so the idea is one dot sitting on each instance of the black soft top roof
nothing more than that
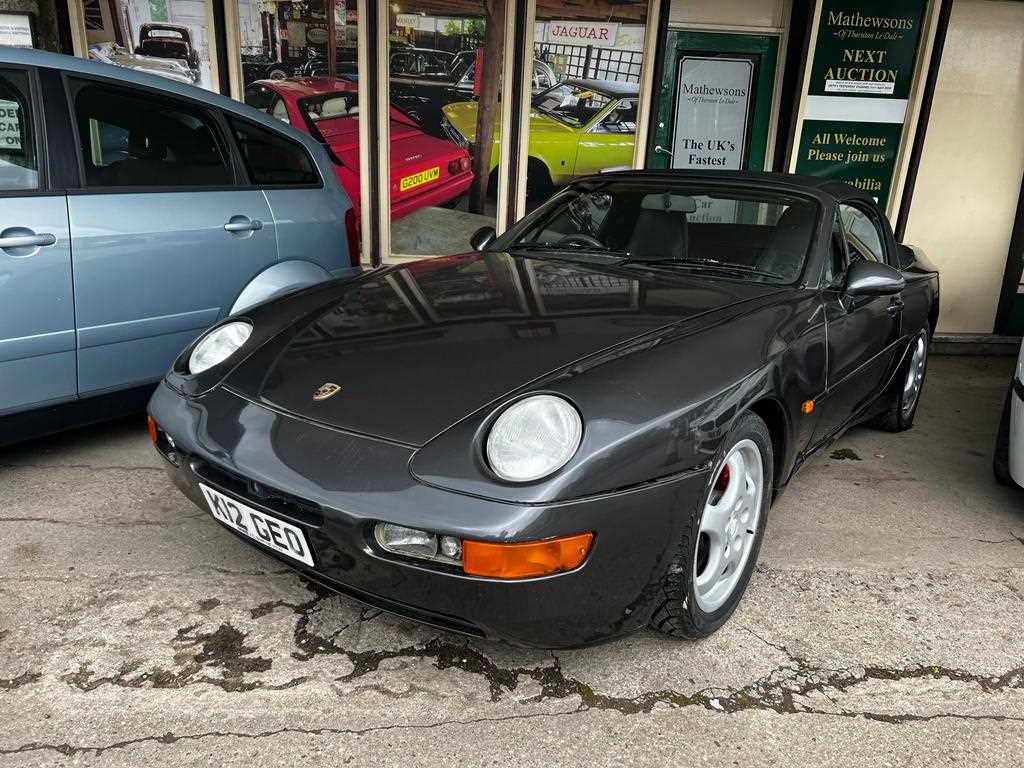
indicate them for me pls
(814, 185)
(613, 88)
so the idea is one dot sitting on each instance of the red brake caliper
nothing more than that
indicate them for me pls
(723, 480)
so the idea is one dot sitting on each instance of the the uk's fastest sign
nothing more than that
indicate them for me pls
(712, 112)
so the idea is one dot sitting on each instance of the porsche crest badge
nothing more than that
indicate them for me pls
(325, 391)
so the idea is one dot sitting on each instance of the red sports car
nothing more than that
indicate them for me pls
(424, 170)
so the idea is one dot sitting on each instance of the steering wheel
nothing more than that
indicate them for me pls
(581, 239)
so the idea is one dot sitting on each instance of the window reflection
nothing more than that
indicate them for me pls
(596, 56)
(171, 40)
(445, 61)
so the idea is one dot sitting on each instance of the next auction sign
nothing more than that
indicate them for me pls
(856, 103)
(712, 112)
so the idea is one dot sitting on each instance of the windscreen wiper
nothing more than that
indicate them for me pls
(571, 253)
(664, 263)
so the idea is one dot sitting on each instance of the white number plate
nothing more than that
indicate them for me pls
(259, 526)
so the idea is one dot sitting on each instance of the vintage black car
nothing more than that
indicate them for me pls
(169, 41)
(574, 432)
(423, 95)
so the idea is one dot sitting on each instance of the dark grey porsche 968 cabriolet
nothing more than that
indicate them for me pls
(573, 432)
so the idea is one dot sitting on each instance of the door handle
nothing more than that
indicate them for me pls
(661, 150)
(28, 241)
(895, 306)
(243, 224)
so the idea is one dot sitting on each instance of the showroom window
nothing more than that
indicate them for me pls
(129, 138)
(456, 72)
(442, 120)
(170, 38)
(273, 160)
(19, 166)
(595, 56)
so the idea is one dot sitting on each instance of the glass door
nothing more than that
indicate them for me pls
(714, 112)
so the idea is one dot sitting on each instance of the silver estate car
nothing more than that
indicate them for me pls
(134, 213)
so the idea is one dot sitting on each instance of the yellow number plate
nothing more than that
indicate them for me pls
(408, 182)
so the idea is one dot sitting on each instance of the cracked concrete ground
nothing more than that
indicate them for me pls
(883, 627)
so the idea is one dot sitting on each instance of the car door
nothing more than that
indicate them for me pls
(315, 222)
(608, 141)
(37, 313)
(862, 332)
(165, 231)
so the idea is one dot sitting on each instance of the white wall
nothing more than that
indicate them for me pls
(969, 180)
(740, 14)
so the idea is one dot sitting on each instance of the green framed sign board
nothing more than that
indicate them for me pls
(740, 77)
(860, 82)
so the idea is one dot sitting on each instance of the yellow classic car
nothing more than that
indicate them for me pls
(577, 127)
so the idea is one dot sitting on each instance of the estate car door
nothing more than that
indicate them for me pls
(862, 332)
(37, 312)
(163, 237)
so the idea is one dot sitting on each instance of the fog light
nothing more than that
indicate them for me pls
(451, 547)
(405, 541)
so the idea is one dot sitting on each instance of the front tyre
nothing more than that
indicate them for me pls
(719, 548)
(903, 407)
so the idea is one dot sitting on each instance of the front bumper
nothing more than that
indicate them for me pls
(336, 485)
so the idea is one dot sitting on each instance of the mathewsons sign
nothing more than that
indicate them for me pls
(856, 102)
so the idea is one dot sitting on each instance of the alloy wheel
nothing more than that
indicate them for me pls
(915, 377)
(729, 526)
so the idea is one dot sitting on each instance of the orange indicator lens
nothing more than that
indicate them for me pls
(521, 561)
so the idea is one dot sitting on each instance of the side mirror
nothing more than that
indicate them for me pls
(872, 278)
(482, 238)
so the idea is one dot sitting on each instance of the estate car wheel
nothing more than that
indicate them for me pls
(719, 549)
(903, 406)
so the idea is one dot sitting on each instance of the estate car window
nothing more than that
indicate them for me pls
(133, 139)
(19, 166)
(862, 235)
(271, 158)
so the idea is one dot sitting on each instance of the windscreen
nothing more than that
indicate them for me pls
(758, 234)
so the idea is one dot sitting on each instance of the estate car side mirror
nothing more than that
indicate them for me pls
(482, 238)
(872, 278)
